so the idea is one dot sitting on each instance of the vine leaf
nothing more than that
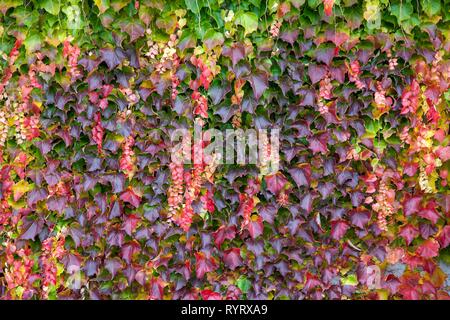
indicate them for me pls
(51, 6)
(134, 29)
(248, 20)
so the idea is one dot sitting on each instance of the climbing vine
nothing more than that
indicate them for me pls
(95, 204)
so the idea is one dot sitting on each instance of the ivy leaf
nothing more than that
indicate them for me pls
(409, 233)
(428, 249)
(134, 29)
(350, 280)
(113, 265)
(204, 264)
(224, 233)
(276, 182)
(51, 6)
(411, 205)
(402, 11)
(156, 289)
(360, 218)
(33, 42)
(131, 197)
(232, 258)
(102, 5)
(319, 143)
(194, 5)
(5, 5)
(118, 5)
(130, 223)
(259, 82)
(30, 229)
(444, 237)
(129, 250)
(316, 72)
(243, 284)
(338, 229)
(20, 188)
(255, 226)
(210, 295)
(212, 39)
(112, 57)
(431, 7)
(248, 20)
(301, 175)
(236, 52)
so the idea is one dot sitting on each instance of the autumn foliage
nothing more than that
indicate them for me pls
(94, 205)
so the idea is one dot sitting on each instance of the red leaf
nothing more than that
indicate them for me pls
(232, 258)
(444, 237)
(409, 233)
(210, 295)
(130, 223)
(409, 292)
(429, 212)
(428, 249)
(443, 153)
(255, 227)
(338, 229)
(411, 205)
(328, 7)
(129, 249)
(131, 197)
(337, 37)
(224, 233)
(410, 168)
(204, 263)
(312, 281)
(276, 182)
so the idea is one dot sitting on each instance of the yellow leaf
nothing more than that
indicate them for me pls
(20, 188)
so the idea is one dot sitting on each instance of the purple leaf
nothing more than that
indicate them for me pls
(232, 258)
(236, 52)
(409, 233)
(338, 229)
(301, 175)
(112, 57)
(359, 218)
(276, 182)
(411, 205)
(259, 82)
(316, 72)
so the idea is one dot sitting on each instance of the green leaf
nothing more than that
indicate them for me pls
(402, 11)
(350, 280)
(194, 5)
(51, 6)
(244, 284)
(248, 20)
(25, 17)
(5, 5)
(33, 42)
(431, 7)
(117, 5)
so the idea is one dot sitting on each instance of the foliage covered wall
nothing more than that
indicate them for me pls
(92, 207)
